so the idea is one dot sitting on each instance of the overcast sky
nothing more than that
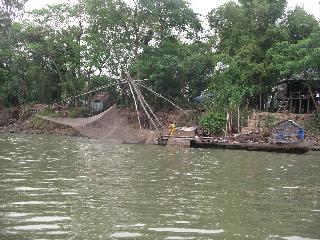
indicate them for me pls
(201, 6)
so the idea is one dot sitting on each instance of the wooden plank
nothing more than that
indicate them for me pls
(300, 103)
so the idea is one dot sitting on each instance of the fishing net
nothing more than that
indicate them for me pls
(109, 126)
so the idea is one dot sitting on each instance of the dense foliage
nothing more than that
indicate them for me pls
(63, 50)
(213, 122)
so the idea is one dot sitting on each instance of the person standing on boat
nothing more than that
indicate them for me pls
(172, 128)
(301, 134)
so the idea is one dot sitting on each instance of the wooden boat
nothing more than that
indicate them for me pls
(282, 147)
(163, 140)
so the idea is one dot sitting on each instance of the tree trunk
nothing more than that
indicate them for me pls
(313, 100)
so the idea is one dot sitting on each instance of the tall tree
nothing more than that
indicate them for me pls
(125, 30)
(298, 59)
(61, 46)
(175, 69)
(9, 11)
(245, 32)
(300, 24)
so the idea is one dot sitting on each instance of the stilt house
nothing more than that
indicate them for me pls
(294, 95)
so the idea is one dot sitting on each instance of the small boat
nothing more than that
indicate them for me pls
(299, 147)
(163, 140)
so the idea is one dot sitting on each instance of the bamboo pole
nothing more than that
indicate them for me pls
(143, 105)
(159, 95)
(149, 108)
(238, 119)
(152, 113)
(230, 124)
(136, 105)
(226, 132)
(95, 90)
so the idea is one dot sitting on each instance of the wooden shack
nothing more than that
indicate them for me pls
(101, 102)
(287, 131)
(294, 95)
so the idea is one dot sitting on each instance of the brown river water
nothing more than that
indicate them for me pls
(54, 187)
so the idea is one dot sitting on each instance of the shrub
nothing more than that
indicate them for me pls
(80, 112)
(213, 122)
(313, 123)
(268, 121)
(48, 111)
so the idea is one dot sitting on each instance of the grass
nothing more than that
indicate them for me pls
(49, 112)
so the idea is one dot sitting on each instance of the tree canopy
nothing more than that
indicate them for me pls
(63, 50)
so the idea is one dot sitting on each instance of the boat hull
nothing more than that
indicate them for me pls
(296, 147)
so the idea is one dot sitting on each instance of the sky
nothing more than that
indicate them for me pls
(200, 6)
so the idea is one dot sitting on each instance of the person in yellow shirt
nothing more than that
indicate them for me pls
(172, 128)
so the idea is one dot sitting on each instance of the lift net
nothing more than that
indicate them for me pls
(109, 126)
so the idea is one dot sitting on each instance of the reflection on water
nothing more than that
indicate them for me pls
(125, 235)
(70, 188)
(186, 230)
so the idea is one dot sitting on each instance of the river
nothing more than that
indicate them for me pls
(55, 187)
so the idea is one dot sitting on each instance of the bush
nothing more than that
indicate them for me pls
(313, 124)
(48, 111)
(268, 121)
(213, 122)
(79, 113)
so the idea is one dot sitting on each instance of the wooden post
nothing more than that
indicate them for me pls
(290, 110)
(308, 107)
(311, 95)
(226, 132)
(260, 96)
(260, 107)
(238, 119)
(230, 124)
(257, 118)
(300, 102)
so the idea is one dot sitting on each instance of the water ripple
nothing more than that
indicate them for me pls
(36, 227)
(186, 230)
(125, 235)
(48, 219)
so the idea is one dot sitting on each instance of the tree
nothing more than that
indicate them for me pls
(125, 31)
(9, 11)
(229, 26)
(300, 24)
(262, 13)
(170, 17)
(244, 33)
(298, 58)
(60, 46)
(177, 70)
